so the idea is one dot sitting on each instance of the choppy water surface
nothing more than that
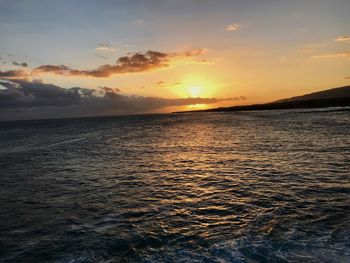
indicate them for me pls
(211, 187)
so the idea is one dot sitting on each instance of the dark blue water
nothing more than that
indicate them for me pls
(210, 187)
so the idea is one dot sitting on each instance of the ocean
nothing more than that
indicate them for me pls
(263, 186)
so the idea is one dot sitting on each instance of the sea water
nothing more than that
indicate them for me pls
(268, 186)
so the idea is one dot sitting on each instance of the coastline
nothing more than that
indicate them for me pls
(298, 104)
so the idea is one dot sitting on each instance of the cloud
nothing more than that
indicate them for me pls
(104, 46)
(345, 54)
(110, 90)
(312, 48)
(164, 84)
(192, 53)
(139, 22)
(342, 39)
(132, 63)
(347, 77)
(14, 74)
(232, 27)
(36, 99)
(27, 94)
(23, 64)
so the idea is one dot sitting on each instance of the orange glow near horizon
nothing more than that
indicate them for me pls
(196, 86)
(197, 106)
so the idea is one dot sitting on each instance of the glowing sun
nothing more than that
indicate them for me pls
(195, 91)
(195, 86)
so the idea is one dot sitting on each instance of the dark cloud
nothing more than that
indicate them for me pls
(13, 74)
(132, 63)
(347, 77)
(25, 94)
(164, 84)
(36, 99)
(23, 64)
(110, 90)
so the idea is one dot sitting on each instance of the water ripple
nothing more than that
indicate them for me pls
(215, 187)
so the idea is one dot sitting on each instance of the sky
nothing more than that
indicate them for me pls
(101, 57)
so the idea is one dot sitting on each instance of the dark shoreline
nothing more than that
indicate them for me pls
(299, 104)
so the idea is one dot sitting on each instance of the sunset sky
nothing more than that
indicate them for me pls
(159, 55)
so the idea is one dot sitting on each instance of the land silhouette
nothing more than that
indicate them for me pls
(336, 97)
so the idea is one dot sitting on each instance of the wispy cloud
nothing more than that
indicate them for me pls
(104, 46)
(132, 63)
(139, 22)
(342, 39)
(232, 27)
(345, 54)
(165, 84)
(313, 47)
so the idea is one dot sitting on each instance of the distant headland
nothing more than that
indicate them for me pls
(336, 97)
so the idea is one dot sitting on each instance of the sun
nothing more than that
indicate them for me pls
(195, 86)
(195, 91)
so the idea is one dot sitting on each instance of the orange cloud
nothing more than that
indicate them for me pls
(342, 39)
(232, 27)
(132, 63)
(345, 54)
